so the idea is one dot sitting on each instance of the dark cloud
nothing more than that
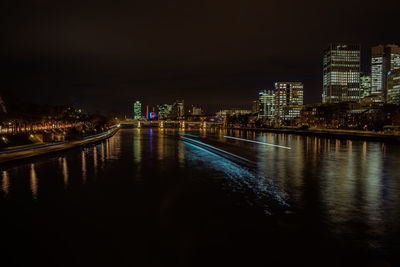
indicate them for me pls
(106, 54)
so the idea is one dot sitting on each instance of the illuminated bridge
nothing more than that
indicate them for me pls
(170, 124)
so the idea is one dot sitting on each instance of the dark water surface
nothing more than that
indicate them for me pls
(146, 198)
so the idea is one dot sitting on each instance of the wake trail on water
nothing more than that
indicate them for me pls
(258, 191)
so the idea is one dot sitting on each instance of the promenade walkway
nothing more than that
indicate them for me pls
(30, 152)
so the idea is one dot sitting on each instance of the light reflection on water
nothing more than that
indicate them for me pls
(102, 153)
(137, 147)
(65, 171)
(34, 182)
(5, 182)
(84, 175)
(352, 186)
(95, 159)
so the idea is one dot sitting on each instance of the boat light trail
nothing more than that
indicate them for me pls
(257, 142)
(188, 134)
(217, 149)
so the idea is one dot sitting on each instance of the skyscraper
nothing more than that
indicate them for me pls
(341, 73)
(137, 110)
(266, 102)
(288, 100)
(384, 58)
(393, 87)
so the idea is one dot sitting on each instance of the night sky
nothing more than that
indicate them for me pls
(103, 55)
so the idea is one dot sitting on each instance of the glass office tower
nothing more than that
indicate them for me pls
(341, 74)
(288, 100)
(384, 59)
(393, 87)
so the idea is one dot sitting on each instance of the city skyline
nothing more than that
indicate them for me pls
(104, 61)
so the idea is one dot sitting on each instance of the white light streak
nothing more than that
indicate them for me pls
(213, 147)
(257, 142)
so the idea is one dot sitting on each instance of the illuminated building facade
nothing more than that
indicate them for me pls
(393, 87)
(137, 111)
(384, 60)
(164, 110)
(365, 86)
(341, 74)
(288, 100)
(234, 111)
(266, 102)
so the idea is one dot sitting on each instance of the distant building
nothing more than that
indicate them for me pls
(178, 109)
(365, 86)
(341, 74)
(288, 100)
(234, 111)
(164, 110)
(196, 111)
(384, 58)
(266, 102)
(137, 111)
(393, 87)
(255, 107)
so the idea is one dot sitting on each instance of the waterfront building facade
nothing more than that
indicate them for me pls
(266, 102)
(231, 112)
(341, 73)
(288, 100)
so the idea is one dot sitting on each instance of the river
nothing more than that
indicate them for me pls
(144, 197)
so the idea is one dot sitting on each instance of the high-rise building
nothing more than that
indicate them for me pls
(365, 86)
(178, 109)
(288, 100)
(137, 110)
(384, 58)
(393, 87)
(266, 102)
(341, 78)
(164, 111)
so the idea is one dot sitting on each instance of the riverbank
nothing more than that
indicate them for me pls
(330, 133)
(31, 152)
